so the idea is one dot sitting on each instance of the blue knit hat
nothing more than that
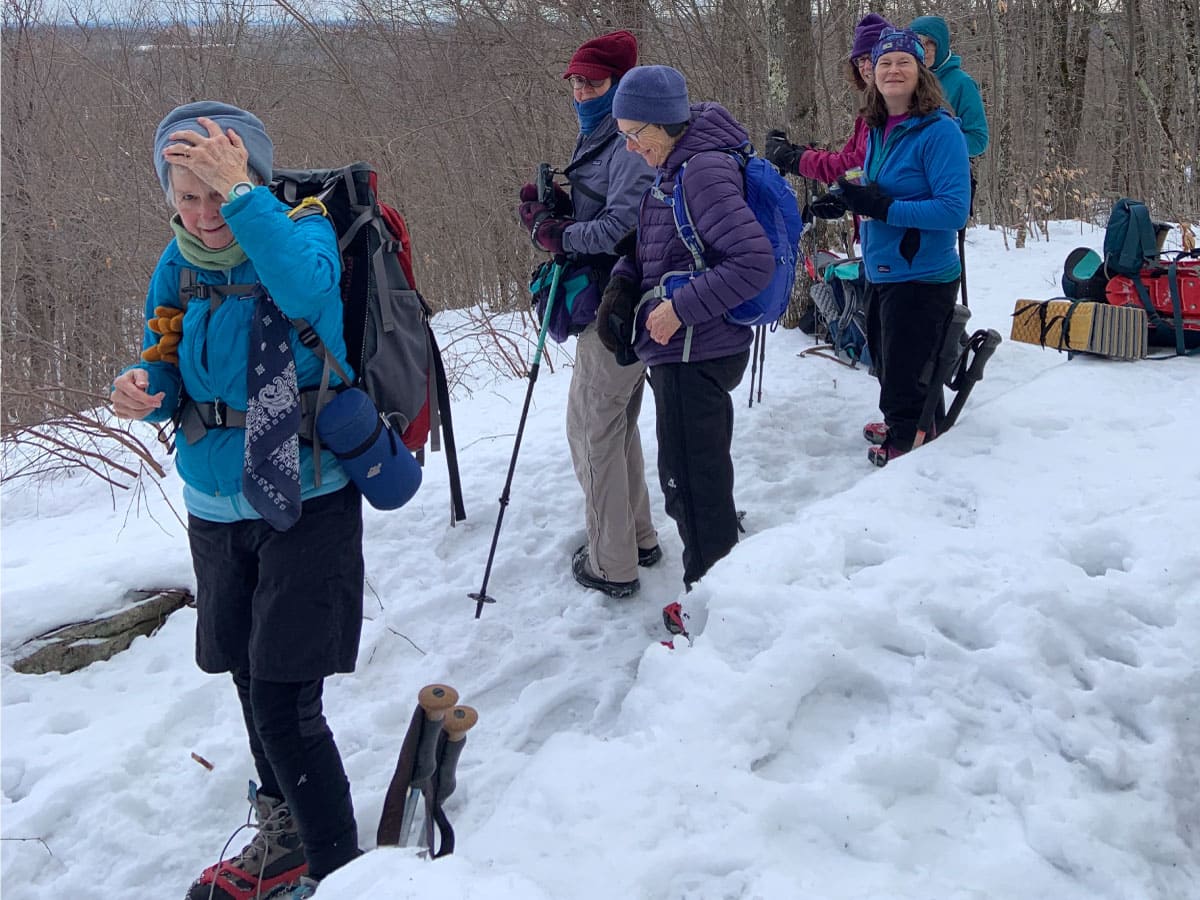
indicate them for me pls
(654, 94)
(898, 40)
(247, 125)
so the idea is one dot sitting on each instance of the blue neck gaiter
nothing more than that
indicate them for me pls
(592, 112)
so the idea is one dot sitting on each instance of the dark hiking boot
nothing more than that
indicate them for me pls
(271, 865)
(618, 589)
(875, 432)
(647, 558)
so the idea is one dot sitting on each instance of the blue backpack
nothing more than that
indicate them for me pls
(773, 202)
(840, 301)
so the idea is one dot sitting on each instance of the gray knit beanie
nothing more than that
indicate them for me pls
(247, 125)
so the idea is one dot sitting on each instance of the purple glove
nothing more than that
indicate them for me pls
(559, 206)
(548, 234)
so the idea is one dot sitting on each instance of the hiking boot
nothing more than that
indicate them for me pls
(269, 866)
(875, 432)
(647, 558)
(618, 589)
(883, 454)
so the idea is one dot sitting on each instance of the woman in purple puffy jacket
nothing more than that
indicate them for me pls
(677, 326)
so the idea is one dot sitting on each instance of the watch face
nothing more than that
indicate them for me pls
(240, 189)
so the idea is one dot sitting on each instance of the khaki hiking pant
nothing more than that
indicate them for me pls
(606, 448)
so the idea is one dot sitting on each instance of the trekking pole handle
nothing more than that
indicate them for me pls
(436, 699)
(458, 722)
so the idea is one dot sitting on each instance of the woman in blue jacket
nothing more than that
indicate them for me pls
(916, 195)
(221, 360)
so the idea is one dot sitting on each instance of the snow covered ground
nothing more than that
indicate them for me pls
(972, 674)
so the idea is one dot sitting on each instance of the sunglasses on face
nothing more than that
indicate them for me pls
(578, 81)
(632, 136)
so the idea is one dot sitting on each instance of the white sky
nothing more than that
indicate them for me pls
(969, 675)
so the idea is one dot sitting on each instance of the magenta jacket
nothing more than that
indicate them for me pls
(827, 165)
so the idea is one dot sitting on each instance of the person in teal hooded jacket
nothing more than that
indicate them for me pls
(276, 550)
(962, 93)
(915, 196)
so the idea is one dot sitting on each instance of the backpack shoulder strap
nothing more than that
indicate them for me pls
(685, 227)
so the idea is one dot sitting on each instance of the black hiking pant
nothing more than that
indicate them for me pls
(280, 611)
(297, 759)
(906, 326)
(695, 469)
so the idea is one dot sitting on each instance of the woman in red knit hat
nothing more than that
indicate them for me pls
(607, 182)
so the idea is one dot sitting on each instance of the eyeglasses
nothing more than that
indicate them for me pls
(633, 135)
(864, 60)
(578, 81)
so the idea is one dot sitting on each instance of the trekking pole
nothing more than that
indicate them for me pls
(962, 262)
(481, 596)
(942, 363)
(762, 360)
(754, 365)
(984, 344)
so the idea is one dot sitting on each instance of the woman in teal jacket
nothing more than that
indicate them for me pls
(917, 194)
(962, 93)
(263, 527)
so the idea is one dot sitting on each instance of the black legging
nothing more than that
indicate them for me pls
(297, 760)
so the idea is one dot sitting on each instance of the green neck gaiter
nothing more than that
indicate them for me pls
(197, 254)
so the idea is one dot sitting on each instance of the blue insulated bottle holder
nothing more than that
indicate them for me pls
(369, 450)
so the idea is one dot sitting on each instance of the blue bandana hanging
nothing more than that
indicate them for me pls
(271, 467)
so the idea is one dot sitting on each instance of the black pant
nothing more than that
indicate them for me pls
(906, 325)
(297, 760)
(695, 469)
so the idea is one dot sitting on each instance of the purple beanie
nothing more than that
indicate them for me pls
(866, 33)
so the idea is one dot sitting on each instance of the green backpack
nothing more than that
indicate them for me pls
(1129, 240)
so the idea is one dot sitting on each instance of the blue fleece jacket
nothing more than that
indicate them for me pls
(923, 167)
(299, 264)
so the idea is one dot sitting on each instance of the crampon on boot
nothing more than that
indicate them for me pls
(269, 866)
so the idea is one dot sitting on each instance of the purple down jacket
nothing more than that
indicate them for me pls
(737, 251)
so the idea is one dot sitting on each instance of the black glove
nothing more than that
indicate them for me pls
(866, 200)
(782, 154)
(614, 318)
(627, 245)
(827, 206)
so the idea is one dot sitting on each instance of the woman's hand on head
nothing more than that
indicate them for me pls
(129, 398)
(219, 158)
